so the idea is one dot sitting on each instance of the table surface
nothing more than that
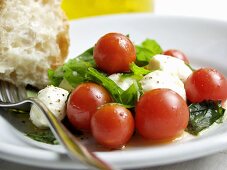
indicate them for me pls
(214, 9)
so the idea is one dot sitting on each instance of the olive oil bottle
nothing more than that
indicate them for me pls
(85, 8)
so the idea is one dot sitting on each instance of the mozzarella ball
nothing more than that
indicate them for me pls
(171, 65)
(123, 82)
(55, 99)
(161, 79)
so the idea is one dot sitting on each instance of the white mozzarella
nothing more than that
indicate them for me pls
(123, 83)
(171, 65)
(161, 79)
(55, 99)
(224, 105)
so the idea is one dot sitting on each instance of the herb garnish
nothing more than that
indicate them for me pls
(43, 136)
(203, 115)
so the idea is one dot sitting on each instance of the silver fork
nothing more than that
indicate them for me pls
(16, 97)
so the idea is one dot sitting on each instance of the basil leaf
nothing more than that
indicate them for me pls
(43, 136)
(128, 98)
(74, 71)
(146, 51)
(56, 76)
(143, 56)
(152, 45)
(203, 115)
(100, 78)
(87, 56)
(138, 70)
(131, 95)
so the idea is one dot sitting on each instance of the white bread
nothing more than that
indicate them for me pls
(33, 38)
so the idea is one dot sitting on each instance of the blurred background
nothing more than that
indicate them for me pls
(85, 8)
(215, 9)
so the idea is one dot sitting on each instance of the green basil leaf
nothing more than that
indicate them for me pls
(74, 71)
(138, 70)
(203, 115)
(100, 78)
(128, 98)
(43, 136)
(152, 45)
(131, 95)
(143, 56)
(87, 56)
(56, 76)
(146, 51)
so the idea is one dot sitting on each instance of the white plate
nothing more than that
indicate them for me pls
(204, 41)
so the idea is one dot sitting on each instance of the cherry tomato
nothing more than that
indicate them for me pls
(83, 102)
(112, 125)
(177, 54)
(206, 84)
(114, 52)
(161, 114)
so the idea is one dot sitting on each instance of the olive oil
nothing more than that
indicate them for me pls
(85, 8)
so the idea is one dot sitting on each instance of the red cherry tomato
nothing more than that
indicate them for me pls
(83, 102)
(177, 54)
(114, 52)
(206, 84)
(161, 114)
(112, 125)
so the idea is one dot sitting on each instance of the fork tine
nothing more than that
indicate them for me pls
(10, 93)
(13, 93)
(22, 93)
(4, 92)
(1, 96)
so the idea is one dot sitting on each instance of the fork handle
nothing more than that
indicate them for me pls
(74, 147)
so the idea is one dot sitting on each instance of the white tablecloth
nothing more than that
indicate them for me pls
(214, 9)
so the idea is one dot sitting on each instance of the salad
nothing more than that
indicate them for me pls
(116, 89)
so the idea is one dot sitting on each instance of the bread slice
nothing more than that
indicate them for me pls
(33, 38)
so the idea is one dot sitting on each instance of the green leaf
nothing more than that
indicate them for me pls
(127, 98)
(153, 46)
(203, 115)
(143, 56)
(138, 70)
(193, 69)
(98, 77)
(131, 95)
(146, 51)
(74, 78)
(74, 71)
(87, 56)
(43, 136)
(56, 76)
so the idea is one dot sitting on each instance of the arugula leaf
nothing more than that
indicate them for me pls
(153, 46)
(146, 51)
(56, 76)
(128, 98)
(143, 56)
(203, 115)
(138, 70)
(131, 95)
(87, 56)
(43, 136)
(110, 85)
(74, 71)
